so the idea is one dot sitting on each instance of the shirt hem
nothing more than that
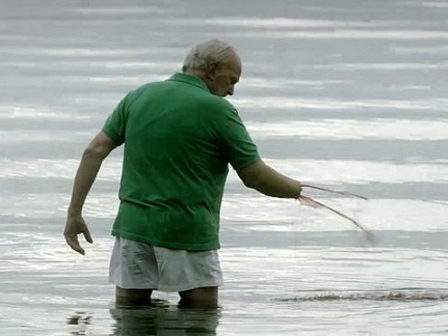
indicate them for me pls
(168, 245)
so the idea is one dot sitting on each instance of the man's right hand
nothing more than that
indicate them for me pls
(74, 226)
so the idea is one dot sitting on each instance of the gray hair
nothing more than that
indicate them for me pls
(205, 53)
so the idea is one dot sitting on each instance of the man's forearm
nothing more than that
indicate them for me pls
(268, 181)
(274, 184)
(87, 171)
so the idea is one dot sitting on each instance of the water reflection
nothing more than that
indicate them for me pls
(166, 321)
(80, 321)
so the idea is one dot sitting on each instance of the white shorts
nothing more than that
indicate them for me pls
(136, 265)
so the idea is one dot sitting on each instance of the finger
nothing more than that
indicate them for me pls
(72, 241)
(87, 235)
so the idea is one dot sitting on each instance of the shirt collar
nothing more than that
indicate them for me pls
(183, 77)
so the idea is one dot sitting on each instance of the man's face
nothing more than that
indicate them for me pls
(223, 80)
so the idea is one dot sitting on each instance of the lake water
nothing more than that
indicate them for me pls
(346, 94)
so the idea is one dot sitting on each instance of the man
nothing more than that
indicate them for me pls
(179, 135)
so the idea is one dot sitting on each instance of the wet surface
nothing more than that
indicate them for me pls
(351, 97)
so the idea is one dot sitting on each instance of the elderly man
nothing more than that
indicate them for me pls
(180, 135)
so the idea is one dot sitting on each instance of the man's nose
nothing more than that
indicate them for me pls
(230, 91)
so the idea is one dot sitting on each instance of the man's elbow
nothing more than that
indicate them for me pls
(252, 176)
(95, 153)
(99, 148)
(252, 182)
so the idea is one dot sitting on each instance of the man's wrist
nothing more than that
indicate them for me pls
(299, 192)
(74, 212)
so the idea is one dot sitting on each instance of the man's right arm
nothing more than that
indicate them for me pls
(90, 164)
(268, 181)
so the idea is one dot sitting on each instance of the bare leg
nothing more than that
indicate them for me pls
(132, 297)
(199, 298)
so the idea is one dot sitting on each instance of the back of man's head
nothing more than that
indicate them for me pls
(205, 53)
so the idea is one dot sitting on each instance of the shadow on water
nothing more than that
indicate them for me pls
(400, 294)
(158, 319)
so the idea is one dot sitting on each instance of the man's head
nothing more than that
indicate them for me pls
(217, 64)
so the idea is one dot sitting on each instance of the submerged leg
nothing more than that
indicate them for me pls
(132, 297)
(199, 298)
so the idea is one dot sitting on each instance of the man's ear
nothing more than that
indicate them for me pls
(212, 70)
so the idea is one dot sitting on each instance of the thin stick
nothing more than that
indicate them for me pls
(345, 193)
(313, 203)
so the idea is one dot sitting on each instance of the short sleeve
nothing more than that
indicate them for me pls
(236, 141)
(115, 125)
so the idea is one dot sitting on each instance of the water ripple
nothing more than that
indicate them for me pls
(399, 129)
(401, 295)
(348, 34)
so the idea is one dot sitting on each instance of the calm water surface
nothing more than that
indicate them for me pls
(349, 95)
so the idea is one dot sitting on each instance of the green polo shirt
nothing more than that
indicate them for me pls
(179, 140)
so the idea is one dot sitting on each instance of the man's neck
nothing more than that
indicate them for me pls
(198, 74)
